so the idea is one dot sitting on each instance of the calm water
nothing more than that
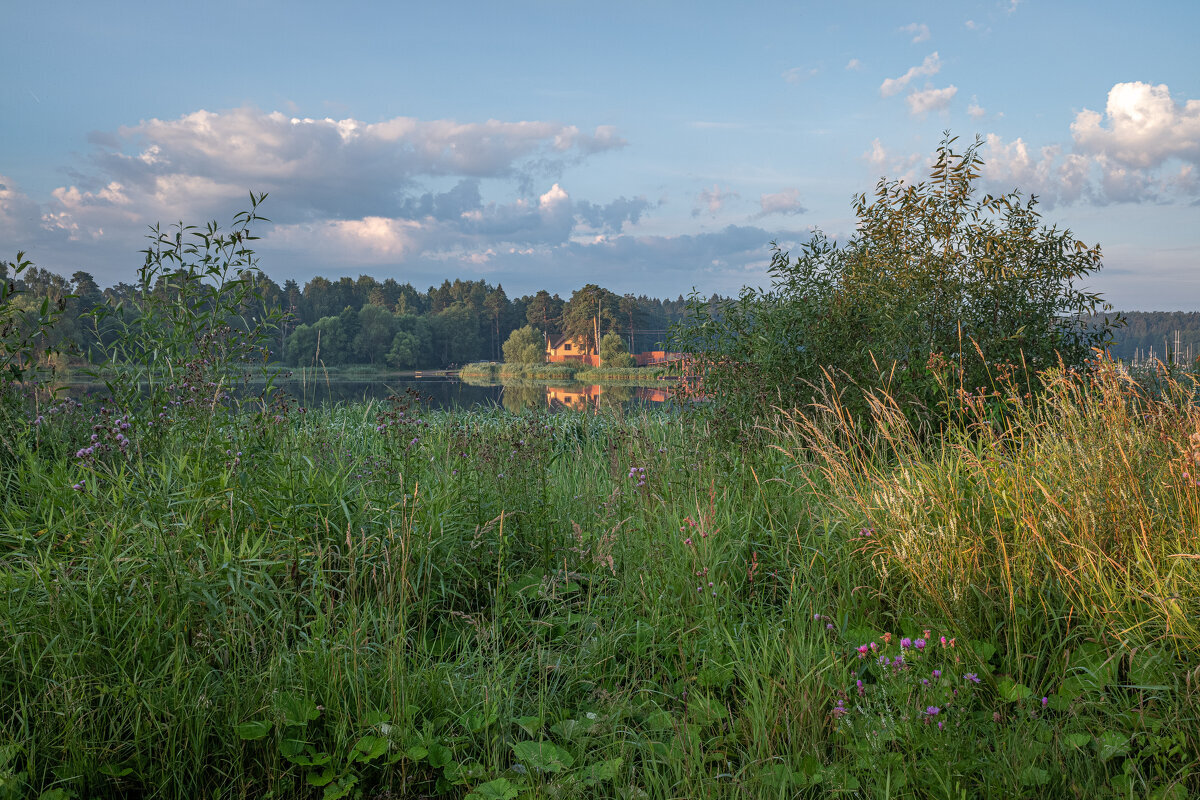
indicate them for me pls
(451, 393)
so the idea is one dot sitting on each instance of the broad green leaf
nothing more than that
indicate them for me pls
(603, 771)
(543, 756)
(297, 710)
(498, 789)
(1112, 744)
(1077, 740)
(254, 729)
(369, 748)
(321, 778)
(1012, 691)
(530, 725)
(439, 755)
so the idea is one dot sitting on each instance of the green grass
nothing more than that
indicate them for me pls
(493, 371)
(398, 603)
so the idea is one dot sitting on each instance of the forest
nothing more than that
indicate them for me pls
(385, 324)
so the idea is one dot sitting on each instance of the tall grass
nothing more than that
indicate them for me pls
(381, 601)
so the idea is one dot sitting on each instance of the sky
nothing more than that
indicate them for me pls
(649, 147)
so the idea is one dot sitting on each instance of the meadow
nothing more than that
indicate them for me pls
(381, 601)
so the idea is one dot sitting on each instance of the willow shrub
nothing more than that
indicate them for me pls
(939, 292)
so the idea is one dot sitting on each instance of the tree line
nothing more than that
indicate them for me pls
(365, 321)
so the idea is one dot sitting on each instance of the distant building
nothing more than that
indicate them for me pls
(561, 348)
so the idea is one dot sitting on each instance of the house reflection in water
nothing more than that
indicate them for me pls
(584, 397)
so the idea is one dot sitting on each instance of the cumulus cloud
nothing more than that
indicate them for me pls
(1144, 147)
(785, 202)
(711, 201)
(919, 31)
(889, 163)
(930, 66)
(19, 215)
(925, 100)
(327, 166)
(975, 110)
(1145, 127)
(854, 64)
(365, 192)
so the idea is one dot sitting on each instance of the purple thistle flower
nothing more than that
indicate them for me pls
(972, 677)
(905, 643)
(933, 711)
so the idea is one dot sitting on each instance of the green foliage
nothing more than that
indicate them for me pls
(589, 314)
(23, 327)
(939, 290)
(185, 328)
(613, 353)
(525, 346)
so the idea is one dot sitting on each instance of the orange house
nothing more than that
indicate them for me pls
(560, 349)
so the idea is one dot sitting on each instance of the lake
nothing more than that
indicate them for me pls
(450, 392)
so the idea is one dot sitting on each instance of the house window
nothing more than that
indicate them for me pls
(566, 347)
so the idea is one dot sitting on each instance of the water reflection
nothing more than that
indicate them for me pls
(446, 392)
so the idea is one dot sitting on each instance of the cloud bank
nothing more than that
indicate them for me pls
(1144, 147)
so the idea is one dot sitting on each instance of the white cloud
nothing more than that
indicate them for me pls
(799, 74)
(919, 31)
(1131, 153)
(929, 66)
(556, 197)
(712, 200)
(975, 110)
(1145, 127)
(785, 202)
(1052, 175)
(883, 162)
(971, 25)
(19, 215)
(923, 101)
(854, 64)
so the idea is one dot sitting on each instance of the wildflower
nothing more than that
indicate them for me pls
(905, 643)
(943, 641)
(937, 673)
(919, 644)
(829, 626)
(839, 710)
(887, 638)
(972, 677)
(939, 724)
(861, 689)
(1045, 701)
(862, 651)
(933, 711)
(874, 647)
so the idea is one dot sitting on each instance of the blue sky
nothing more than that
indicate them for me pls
(648, 147)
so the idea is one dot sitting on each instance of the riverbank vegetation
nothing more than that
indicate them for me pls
(888, 583)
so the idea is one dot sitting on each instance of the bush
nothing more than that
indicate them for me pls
(938, 294)
(613, 354)
(525, 346)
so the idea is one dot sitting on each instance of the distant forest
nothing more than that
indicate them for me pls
(392, 324)
(1152, 334)
(366, 321)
